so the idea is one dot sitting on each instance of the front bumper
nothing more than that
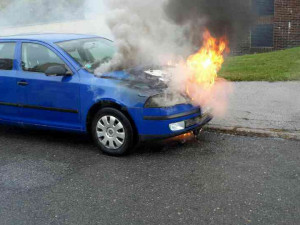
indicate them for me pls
(154, 123)
(192, 124)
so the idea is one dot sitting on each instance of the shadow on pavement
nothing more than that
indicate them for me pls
(72, 139)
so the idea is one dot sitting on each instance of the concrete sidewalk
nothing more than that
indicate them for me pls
(263, 108)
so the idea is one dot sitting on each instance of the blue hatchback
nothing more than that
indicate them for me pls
(48, 81)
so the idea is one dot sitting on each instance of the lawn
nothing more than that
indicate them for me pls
(274, 66)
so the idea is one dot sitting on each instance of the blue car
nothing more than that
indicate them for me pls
(48, 81)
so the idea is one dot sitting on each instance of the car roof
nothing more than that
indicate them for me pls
(48, 37)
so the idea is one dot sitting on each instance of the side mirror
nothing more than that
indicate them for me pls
(59, 70)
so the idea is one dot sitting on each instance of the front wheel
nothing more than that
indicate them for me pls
(112, 132)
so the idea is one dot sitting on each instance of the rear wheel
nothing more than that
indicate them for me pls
(112, 132)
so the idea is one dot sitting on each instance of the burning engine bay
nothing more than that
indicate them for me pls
(151, 82)
(192, 81)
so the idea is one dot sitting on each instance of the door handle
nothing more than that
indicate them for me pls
(22, 83)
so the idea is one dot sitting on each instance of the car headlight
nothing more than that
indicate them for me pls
(165, 100)
(177, 126)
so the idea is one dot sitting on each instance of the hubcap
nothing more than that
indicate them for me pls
(111, 132)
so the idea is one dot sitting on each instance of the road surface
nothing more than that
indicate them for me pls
(58, 178)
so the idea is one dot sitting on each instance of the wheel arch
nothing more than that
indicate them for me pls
(105, 103)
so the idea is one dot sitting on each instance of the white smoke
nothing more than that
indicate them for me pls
(55, 16)
(148, 32)
(142, 34)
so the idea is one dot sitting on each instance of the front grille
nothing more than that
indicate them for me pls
(193, 121)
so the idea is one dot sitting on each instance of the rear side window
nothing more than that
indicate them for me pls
(7, 52)
(37, 58)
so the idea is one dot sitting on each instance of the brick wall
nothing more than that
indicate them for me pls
(286, 34)
(286, 24)
(242, 46)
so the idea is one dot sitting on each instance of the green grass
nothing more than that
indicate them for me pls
(274, 66)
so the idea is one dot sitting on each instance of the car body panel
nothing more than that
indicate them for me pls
(48, 100)
(64, 102)
(156, 127)
(8, 94)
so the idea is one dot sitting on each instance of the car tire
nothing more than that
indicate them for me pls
(112, 132)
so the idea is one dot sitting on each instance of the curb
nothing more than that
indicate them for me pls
(245, 131)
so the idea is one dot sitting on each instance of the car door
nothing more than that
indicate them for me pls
(47, 100)
(9, 110)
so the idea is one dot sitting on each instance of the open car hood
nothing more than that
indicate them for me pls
(146, 81)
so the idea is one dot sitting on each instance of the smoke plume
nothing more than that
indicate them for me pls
(142, 34)
(148, 33)
(232, 18)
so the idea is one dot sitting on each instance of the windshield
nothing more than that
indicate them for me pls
(89, 53)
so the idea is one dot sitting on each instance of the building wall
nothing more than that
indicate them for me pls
(277, 27)
(286, 24)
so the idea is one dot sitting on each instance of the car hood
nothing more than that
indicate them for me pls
(140, 79)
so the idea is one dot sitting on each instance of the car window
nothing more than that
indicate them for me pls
(37, 58)
(7, 52)
(89, 53)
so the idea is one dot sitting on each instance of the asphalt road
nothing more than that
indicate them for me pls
(58, 178)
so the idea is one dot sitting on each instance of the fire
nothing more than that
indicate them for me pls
(184, 137)
(198, 75)
(207, 62)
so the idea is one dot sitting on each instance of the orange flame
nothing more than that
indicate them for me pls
(184, 137)
(200, 81)
(207, 62)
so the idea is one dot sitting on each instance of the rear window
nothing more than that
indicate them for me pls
(7, 52)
